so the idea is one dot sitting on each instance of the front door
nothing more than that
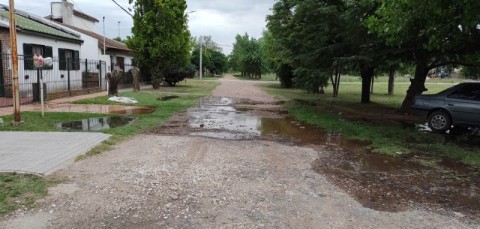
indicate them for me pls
(121, 63)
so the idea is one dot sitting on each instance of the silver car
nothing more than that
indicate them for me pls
(458, 106)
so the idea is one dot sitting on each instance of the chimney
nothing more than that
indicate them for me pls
(62, 12)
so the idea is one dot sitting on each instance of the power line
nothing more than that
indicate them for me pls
(126, 11)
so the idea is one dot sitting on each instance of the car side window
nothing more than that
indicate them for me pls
(468, 92)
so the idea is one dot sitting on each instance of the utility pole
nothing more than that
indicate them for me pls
(13, 44)
(201, 58)
(104, 53)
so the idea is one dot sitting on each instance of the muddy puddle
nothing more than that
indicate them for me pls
(95, 124)
(99, 109)
(381, 182)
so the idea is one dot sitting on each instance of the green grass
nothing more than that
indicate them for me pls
(385, 136)
(265, 77)
(21, 190)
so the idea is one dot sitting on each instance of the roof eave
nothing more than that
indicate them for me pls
(77, 41)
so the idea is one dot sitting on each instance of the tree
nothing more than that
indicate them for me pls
(213, 58)
(433, 34)
(119, 39)
(161, 39)
(323, 36)
(246, 56)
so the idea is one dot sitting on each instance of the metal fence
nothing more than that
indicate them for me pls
(63, 76)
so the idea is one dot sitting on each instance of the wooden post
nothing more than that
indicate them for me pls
(13, 44)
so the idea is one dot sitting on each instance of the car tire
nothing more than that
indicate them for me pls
(439, 121)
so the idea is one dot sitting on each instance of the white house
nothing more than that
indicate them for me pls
(65, 13)
(115, 52)
(36, 35)
(67, 36)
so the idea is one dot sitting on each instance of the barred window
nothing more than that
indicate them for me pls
(69, 59)
(29, 50)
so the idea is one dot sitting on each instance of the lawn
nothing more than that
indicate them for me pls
(265, 77)
(378, 123)
(18, 190)
(21, 190)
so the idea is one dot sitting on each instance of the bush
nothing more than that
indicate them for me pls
(311, 80)
(471, 72)
(285, 74)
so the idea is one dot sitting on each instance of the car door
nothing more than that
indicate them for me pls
(464, 104)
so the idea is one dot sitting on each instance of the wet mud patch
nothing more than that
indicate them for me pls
(380, 182)
(394, 184)
(95, 124)
(100, 109)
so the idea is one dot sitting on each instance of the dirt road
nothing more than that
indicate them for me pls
(161, 180)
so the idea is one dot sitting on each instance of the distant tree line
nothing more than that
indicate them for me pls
(214, 62)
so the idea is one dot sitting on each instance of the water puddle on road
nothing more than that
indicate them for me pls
(380, 182)
(95, 124)
(100, 109)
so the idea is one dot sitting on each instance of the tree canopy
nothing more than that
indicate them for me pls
(246, 56)
(316, 39)
(160, 37)
(213, 59)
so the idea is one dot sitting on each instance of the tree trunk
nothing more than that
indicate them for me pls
(322, 90)
(366, 73)
(417, 85)
(335, 78)
(391, 81)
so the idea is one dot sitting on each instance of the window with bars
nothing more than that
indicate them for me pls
(69, 59)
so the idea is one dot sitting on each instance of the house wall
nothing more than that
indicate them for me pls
(89, 49)
(83, 24)
(126, 58)
(55, 79)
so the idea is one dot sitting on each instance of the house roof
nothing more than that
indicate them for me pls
(31, 23)
(109, 43)
(84, 16)
(4, 25)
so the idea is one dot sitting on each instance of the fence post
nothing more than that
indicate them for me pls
(100, 76)
(68, 76)
(86, 73)
(37, 96)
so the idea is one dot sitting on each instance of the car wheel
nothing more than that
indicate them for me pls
(439, 121)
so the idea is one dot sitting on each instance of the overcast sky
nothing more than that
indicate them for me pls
(221, 19)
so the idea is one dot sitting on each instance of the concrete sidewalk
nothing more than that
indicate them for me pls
(43, 152)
